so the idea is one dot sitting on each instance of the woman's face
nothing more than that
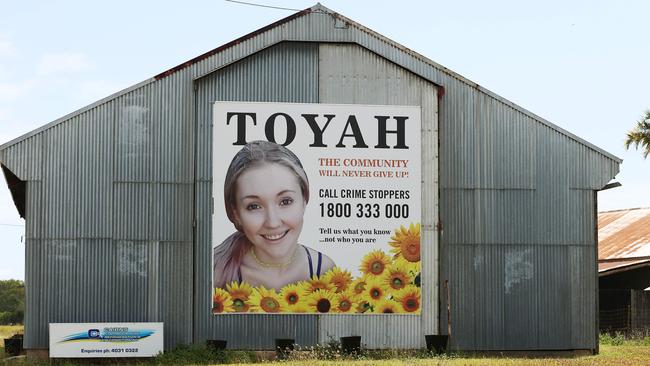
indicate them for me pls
(269, 208)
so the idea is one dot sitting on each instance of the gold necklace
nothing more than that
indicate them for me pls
(274, 265)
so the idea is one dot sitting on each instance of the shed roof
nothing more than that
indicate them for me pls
(623, 239)
(344, 22)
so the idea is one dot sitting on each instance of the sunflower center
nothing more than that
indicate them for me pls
(323, 305)
(292, 299)
(345, 305)
(397, 282)
(411, 250)
(238, 304)
(340, 285)
(411, 304)
(218, 307)
(377, 267)
(375, 293)
(388, 311)
(269, 305)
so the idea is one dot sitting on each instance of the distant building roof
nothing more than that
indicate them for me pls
(623, 240)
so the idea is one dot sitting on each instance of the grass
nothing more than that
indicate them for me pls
(614, 350)
(7, 331)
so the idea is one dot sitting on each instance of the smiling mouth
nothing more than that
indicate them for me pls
(274, 237)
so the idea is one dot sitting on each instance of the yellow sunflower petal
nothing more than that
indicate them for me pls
(413, 268)
(294, 293)
(322, 301)
(405, 242)
(266, 301)
(375, 290)
(221, 301)
(374, 263)
(358, 285)
(362, 305)
(397, 276)
(387, 307)
(319, 283)
(240, 292)
(345, 302)
(338, 277)
(409, 299)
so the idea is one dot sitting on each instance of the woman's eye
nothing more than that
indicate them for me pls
(286, 201)
(252, 206)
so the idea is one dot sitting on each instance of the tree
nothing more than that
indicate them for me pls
(640, 135)
(12, 301)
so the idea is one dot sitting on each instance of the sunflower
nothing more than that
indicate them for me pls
(240, 292)
(265, 301)
(344, 302)
(322, 301)
(397, 277)
(362, 305)
(374, 263)
(409, 299)
(292, 294)
(358, 285)
(221, 301)
(338, 277)
(375, 290)
(300, 307)
(413, 268)
(319, 283)
(406, 243)
(387, 307)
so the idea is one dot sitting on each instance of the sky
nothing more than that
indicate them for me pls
(583, 65)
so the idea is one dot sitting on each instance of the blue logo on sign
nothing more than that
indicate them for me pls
(93, 333)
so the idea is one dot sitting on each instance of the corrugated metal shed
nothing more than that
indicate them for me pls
(623, 239)
(117, 192)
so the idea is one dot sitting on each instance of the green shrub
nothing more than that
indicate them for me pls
(202, 355)
(617, 339)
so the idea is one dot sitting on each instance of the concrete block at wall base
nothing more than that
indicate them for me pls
(37, 354)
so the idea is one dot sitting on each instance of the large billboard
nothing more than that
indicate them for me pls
(316, 208)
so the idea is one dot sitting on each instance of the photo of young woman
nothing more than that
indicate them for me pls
(265, 192)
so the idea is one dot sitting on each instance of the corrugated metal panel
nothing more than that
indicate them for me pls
(60, 182)
(351, 74)
(24, 158)
(490, 159)
(521, 297)
(81, 281)
(501, 269)
(94, 159)
(376, 331)
(135, 137)
(133, 213)
(174, 292)
(172, 111)
(283, 73)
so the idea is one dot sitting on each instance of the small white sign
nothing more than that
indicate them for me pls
(92, 340)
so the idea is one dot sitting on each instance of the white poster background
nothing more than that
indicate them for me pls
(315, 234)
(94, 340)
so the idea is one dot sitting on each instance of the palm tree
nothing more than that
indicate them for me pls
(640, 135)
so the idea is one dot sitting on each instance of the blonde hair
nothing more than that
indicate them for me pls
(228, 255)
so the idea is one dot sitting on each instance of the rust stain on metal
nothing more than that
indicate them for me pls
(231, 44)
(624, 238)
